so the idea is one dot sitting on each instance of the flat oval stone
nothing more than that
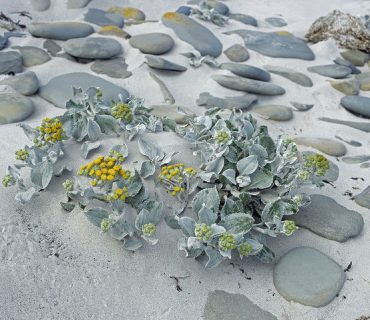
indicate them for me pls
(248, 85)
(357, 104)
(152, 43)
(331, 70)
(40, 5)
(325, 217)
(239, 102)
(292, 75)
(237, 53)
(32, 56)
(103, 18)
(25, 83)
(128, 13)
(328, 146)
(59, 89)
(244, 18)
(60, 30)
(193, 33)
(246, 71)
(307, 276)
(163, 64)
(77, 4)
(275, 44)
(274, 112)
(93, 48)
(276, 21)
(349, 87)
(10, 61)
(115, 68)
(363, 199)
(14, 107)
(357, 57)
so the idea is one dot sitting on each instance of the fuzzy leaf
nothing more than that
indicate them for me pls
(93, 130)
(208, 197)
(96, 215)
(214, 257)
(88, 146)
(147, 169)
(41, 174)
(238, 222)
(248, 165)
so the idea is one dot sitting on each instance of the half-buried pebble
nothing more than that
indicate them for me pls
(307, 276)
(163, 64)
(274, 112)
(357, 104)
(114, 31)
(326, 145)
(128, 13)
(237, 53)
(349, 87)
(14, 107)
(32, 56)
(357, 57)
(238, 102)
(246, 71)
(25, 83)
(115, 68)
(103, 18)
(40, 5)
(152, 43)
(193, 33)
(60, 30)
(363, 199)
(10, 61)
(331, 70)
(93, 48)
(292, 75)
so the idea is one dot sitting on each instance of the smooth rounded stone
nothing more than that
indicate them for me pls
(331, 70)
(237, 53)
(275, 44)
(348, 64)
(349, 87)
(222, 305)
(292, 75)
(93, 48)
(357, 104)
(363, 199)
(115, 68)
(59, 89)
(51, 47)
(60, 30)
(276, 21)
(114, 31)
(307, 276)
(192, 32)
(301, 106)
(14, 107)
(239, 102)
(77, 4)
(363, 126)
(244, 18)
(10, 61)
(25, 83)
(103, 18)
(274, 112)
(170, 111)
(128, 13)
(152, 43)
(325, 217)
(40, 5)
(328, 146)
(357, 57)
(185, 10)
(248, 85)
(364, 79)
(356, 159)
(32, 56)
(163, 64)
(246, 71)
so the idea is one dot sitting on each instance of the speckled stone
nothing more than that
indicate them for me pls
(331, 70)
(10, 61)
(292, 75)
(163, 64)
(25, 83)
(152, 43)
(237, 53)
(325, 145)
(274, 112)
(14, 107)
(32, 56)
(246, 71)
(60, 30)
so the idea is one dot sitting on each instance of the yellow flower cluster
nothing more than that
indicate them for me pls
(50, 131)
(174, 176)
(119, 193)
(103, 169)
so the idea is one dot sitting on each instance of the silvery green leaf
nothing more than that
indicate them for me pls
(68, 206)
(107, 123)
(261, 180)
(238, 222)
(41, 174)
(26, 196)
(59, 171)
(207, 216)
(147, 169)
(214, 257)
(96, 215)
(243, 181)
(121, 148)
(132, 243)
(93, 130)
(229, 174)
(149, 149)
(187, 226)
(88, 146)
(248, 165)
(30, 132)
(208, 197)
(266, 255)
(216, 165)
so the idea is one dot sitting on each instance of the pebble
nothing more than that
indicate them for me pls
(274, 112)
(331, 70)
(276, 21)
(246, 71)
(237, 53)
(301, 106)
(40, 5)
(325, 217)
(60, 30)
(77, 4)
(152, 43)
(244, 18)
(363, 126)
(227, 306)
(32, 56)
(114, 68)
(348, 64)
(14, 107)
(59, 89)
(325, 145)
(248, 85)
(307, 276)
(349, 87)
(192, 32)
(25, 83)
(128, 13)
(238, 102)
(356, 159)
(163, 64)
(10, 61)
(363, 199)
(93, 48)
(292, 75)
(103, 18)
(357, 104)
(357, 57)
(114, 31)
(275, 44)
(170, 111)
